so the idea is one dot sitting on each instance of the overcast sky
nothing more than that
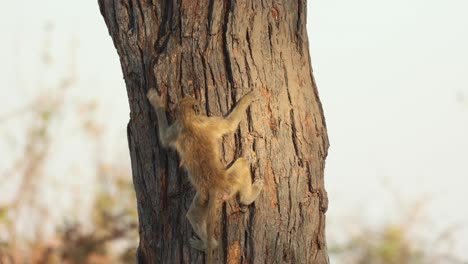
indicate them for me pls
(392, 77)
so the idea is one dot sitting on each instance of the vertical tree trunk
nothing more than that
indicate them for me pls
(217, 51)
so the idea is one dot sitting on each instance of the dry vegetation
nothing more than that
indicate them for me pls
(113, 216)
(396, 243)
(108, 236)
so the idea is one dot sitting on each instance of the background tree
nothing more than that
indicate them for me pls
(216, 51)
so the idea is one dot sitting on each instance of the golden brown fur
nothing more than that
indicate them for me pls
(195, 136)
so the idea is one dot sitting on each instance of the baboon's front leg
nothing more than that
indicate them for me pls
(248, 192)
(233, 119)
(167, 134)
(220, 126)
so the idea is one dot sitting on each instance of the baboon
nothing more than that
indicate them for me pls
(195, 136)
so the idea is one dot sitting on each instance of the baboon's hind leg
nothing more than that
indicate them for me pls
(196, 215)
(240, 173)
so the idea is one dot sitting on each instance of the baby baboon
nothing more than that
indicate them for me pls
(195, 137)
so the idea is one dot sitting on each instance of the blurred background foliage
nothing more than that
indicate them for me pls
(395, 242)
(107, 231)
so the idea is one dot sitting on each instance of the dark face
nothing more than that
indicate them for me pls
(189, 107)
(196, 108)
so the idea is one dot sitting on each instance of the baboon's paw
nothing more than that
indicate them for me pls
(259, 183)
(197, 244)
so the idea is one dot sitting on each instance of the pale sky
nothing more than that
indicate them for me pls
(392, 77)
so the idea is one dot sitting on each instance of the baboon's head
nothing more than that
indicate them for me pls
(189, 108)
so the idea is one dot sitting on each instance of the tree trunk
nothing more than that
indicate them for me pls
(216, 51)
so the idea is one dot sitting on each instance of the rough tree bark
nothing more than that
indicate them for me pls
(217, 51)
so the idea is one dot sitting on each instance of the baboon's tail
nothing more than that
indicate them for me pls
(214, 201)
